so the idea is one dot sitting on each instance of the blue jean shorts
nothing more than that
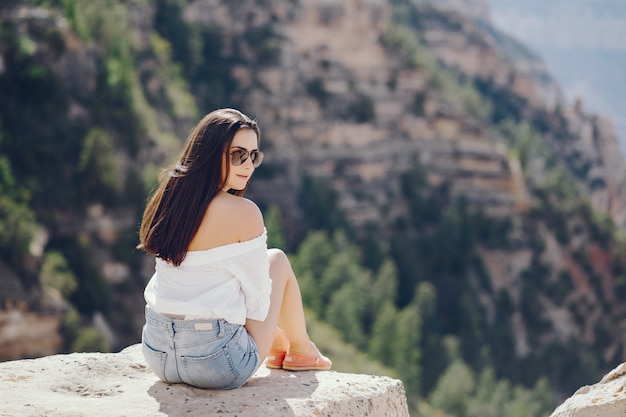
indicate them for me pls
(211, 354)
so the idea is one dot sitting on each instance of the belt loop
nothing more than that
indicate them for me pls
(220, 328)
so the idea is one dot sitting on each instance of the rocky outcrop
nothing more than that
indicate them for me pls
(120, 384)
(466, 43)
(607, 398)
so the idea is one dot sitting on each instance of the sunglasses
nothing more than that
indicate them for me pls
(240, 156)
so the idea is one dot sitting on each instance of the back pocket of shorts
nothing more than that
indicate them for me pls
(155, 360)
(213, 371)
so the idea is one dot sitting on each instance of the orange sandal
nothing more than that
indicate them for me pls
(295, 361)
(275, 359)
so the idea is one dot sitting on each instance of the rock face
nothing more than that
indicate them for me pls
(28, 334)
(607, 398)
(120, 384)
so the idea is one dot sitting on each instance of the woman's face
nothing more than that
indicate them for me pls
(239, 175)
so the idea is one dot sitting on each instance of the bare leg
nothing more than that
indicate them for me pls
(285, 309)
(281, 343)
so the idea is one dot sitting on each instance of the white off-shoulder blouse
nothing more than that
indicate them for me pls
(230, 282)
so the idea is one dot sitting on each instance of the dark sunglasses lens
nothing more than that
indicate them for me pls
(257, 158)
(238, 157)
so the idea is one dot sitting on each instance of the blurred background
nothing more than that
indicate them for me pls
(446, 176)
(582, 42)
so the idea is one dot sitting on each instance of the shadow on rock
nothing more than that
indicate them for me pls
(275, 393)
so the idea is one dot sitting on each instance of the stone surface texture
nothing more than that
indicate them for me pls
(607, 398)
(120, 384)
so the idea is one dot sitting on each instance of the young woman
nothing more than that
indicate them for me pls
(219, 301)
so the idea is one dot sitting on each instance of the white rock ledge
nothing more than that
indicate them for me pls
(607, 398)
(120, 384)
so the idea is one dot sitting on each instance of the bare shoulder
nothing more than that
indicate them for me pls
(240, 210)
(242, 215)
(228, 219)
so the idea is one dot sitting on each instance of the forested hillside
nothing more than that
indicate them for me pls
(447, 214)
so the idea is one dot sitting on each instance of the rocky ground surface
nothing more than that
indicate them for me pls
(120, 384)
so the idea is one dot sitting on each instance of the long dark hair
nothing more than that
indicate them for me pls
(185, 189)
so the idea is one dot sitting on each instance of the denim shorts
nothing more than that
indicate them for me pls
(211, 354)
